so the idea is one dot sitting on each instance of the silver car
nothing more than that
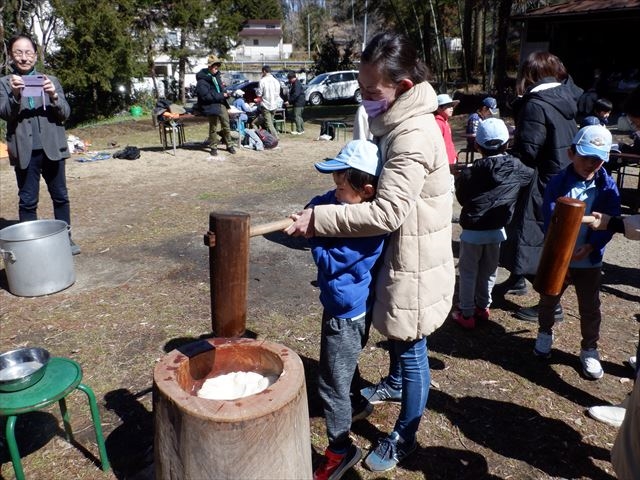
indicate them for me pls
(333, 86)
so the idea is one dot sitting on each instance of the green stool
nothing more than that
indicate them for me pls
(61, 378)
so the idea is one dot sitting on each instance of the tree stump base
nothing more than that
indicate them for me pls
(265, 435)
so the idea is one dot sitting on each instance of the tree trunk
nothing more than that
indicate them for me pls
(182, 66)
(504, 11)
(478, 41)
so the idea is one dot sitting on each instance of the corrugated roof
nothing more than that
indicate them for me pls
(583, 7)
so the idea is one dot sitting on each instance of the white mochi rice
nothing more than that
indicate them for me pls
(234, 385)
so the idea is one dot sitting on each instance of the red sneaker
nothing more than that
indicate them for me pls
(481, 314)
(334, 465)
(464, 322)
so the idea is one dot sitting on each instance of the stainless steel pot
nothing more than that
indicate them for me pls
(37, 257)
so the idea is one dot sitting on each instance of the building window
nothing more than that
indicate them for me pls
(256, 41)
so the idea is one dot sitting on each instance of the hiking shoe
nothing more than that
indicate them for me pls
(381, 393)
(530, 314)
(543, 345)
(610, 414)
(213, 152)
(632, 362)
(481, 314)
(591, 367)
(231, 149)
(334, 465)
(464, 322)
(388, 453)
(361, 412)
(75, 249)
(514, 285)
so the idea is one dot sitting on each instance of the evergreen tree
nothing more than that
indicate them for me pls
(96, 60)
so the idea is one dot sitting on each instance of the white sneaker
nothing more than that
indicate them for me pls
(591, 367)
(610, 414)
(543, 345)
(632, 362)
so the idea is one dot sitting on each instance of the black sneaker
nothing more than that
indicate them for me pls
(213, 152)
(361, 411)
(231, 149)
(514, 285)
(530, 314)
(381, 393)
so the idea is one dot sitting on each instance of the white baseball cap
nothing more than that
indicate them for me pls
(359, 154)
(446, 100)
(593, 141)
(492, 133)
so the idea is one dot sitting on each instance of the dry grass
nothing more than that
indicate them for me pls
(143, 288)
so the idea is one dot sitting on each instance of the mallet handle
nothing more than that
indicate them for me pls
(270, 227)
(588, 219)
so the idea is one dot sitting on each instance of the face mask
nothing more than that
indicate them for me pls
(375, 107)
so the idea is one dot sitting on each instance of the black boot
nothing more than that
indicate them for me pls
(514, 285)
(530, 314)
(214, 152)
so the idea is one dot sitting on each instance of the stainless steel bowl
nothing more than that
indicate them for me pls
(19, 369)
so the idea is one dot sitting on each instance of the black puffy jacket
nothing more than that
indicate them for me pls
(545, 127)
(210, 93)
(488, 191)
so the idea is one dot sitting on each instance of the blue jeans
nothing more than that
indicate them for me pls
(409, 370)
(28, 180)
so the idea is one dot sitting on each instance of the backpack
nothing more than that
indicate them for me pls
(251, 140)
(128, 153)
(268, 140)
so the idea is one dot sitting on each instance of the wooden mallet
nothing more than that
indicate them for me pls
(559, 245)
(228, 242)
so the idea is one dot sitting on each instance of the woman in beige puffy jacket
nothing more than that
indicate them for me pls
(415, 282)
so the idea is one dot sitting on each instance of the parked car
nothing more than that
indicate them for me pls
(333, 86)
(281, 76)
(250, 91)
(231, 79)
(249, 88)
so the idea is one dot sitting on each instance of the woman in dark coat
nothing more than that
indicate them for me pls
(545, 116)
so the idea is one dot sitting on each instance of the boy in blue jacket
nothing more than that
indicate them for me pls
(345, 276)
(585, 180)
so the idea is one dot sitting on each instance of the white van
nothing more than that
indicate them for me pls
(333, 86)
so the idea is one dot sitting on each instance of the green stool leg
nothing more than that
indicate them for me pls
(65, 419)
(10, 433)
(95, 415)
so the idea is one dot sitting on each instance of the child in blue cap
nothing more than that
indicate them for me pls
(584, 180)
(487, 192)
(345, 268)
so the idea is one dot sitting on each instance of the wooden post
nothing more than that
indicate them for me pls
(559, 244)
(229, 269)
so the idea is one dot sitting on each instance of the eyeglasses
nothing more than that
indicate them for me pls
(20, 53)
